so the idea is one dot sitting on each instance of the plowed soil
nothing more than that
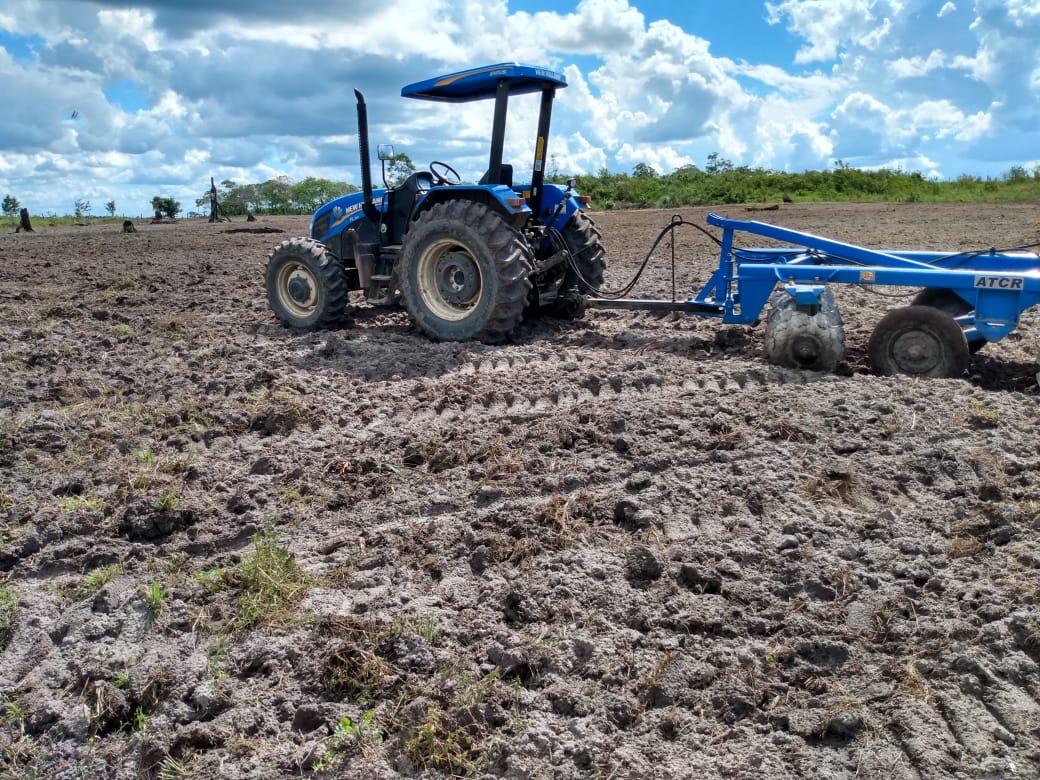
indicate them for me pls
(620, 547)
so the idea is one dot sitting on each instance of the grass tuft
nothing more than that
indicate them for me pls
(154, 596)
(96, 579)
(270, 581)
(436, 745)
(71, 504)
(8, 605)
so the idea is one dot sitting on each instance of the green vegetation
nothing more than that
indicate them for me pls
(96, 579)
(720, 181)
(139, 720)
(10, 205)
(437, 745)
(121, 679)
(168, 207)
(270, 581)
(217, 659)
(154, 596)
(166, 502)
(145, 456)
(8, 224)
(80, 504)
(275, 196)
(8, 604)
(212, 580)
(981, 414)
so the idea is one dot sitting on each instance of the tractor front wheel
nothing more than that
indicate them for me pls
(463, 273)
(306, 286)
(918, 341)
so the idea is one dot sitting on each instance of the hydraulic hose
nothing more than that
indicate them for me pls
(599, 292)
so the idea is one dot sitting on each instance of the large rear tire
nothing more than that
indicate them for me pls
(306, 286)
(918, 341)
(463, 273)
(585, 244)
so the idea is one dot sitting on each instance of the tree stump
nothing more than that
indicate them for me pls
(128, 226)
(250, 217)
(23, 222)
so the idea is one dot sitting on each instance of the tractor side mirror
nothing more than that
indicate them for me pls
(385, 152)
(572, 183)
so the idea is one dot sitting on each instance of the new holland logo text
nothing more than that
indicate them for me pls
(999, 282)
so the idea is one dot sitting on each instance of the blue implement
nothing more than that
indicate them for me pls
(996, 286)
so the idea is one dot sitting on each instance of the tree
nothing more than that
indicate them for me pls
(276, 195)
(311, 193)
(644, 171)
(110, 207)
(81, 208)
(11, 205)
(398, 168)
(168, 207)
(716, 164)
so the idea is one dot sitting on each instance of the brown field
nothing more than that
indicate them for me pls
(622, 547)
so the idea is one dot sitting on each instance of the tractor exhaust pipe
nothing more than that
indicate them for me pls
(366, 164)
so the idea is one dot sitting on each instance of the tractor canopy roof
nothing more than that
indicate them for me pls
(481, 83)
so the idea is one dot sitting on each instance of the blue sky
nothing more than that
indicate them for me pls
(124, 100)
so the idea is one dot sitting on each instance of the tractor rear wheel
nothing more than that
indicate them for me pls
(463, 273)
(918, 341)
(585, 243)
(951, 303)
(306, 286)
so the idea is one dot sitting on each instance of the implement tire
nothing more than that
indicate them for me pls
(306, 286)
(463, 273)
(950, 302)
(918, 341)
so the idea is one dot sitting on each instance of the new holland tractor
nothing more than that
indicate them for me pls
(465, 260)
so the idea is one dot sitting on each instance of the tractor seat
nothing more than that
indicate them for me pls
(507, 175)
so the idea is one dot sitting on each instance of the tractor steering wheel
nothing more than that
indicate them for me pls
(442, 178)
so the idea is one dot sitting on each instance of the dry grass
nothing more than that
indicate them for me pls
(964, 547)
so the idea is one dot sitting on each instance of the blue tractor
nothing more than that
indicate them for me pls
(467, 261)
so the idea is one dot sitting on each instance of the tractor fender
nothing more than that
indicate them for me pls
(499, 198)
(552, 194)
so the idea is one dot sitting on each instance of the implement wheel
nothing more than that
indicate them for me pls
(810, 339)
(918, 341)
(951, 303)
(306, 286)
(463, 273)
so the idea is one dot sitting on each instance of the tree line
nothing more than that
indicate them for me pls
(721, 181)
(718, 181)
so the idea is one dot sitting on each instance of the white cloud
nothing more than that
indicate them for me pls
(268, 92)
(909, 67)
(826, 25)
(947, 9)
